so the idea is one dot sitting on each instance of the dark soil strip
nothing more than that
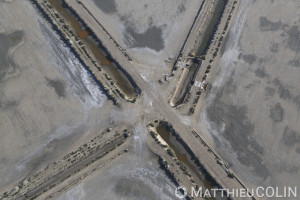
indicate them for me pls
(99, 153)
(169, 174)
(118, 73)
(205, 42)
(187, 157)
(188, 35)
(53, 26)
(212, 27)
(188, 83)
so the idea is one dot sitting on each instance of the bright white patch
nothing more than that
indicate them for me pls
(78, 80)
(83, 88)
(185, 120)
(76, 193)
(227, 60)
(232, 51)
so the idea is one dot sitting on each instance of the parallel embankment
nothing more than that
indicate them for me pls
(80, 39)
(196, 55)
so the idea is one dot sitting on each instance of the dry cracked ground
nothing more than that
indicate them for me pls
(249, 112)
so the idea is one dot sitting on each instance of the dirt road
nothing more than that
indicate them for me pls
(160, 107)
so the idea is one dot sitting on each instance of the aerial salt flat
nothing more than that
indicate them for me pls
(151, 31)
(149, 99)
(134, 176)
(46, 95)
(251, 109)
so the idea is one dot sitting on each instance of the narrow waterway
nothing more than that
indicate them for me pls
(202, 50)
(108, 64)
(182, 154)
(212, 27)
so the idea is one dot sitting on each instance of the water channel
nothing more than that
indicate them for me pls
(184, 156)
(107, 63)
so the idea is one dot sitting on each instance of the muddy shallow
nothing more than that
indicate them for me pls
(108, 64)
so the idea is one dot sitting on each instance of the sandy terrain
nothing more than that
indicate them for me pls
(151, 105)
(47, 99)
(147, 29)
(251, 109)
(133, 176)
(249, 112)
